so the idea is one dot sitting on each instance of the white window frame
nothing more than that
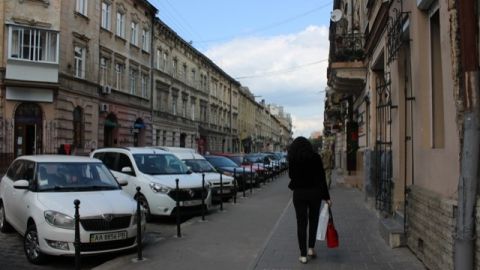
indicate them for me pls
(184, 108)
(133, 33)
(103, 71)
(146, 40)
(79, 60)
(158, 57)
(41, 46)
(120, 27)
(81, 7)
(165, 60)
(174, 105)
(119, 70)
(106, 15)
(192, 110)
(144, 85)
(133, 81)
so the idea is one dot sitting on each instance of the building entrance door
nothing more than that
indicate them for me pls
(28, 129)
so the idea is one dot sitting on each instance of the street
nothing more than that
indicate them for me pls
(259, 232)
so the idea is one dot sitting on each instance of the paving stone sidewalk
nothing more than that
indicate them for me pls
(361, 246)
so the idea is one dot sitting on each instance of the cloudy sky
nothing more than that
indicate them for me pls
(279, 49)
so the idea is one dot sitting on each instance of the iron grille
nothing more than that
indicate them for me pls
(383, 145)
(104, 224)
(394, 32)
(188, 194)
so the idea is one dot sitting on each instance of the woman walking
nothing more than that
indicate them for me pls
(307, 180)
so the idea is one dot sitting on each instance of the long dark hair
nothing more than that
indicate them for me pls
(300, 150)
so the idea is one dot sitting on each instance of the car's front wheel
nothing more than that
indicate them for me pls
(4, 225)
(32, 246)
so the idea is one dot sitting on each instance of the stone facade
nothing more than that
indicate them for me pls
(431, 227)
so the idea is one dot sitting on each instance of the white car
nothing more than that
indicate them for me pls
(37, 199)
(155, 172)
(198, 164)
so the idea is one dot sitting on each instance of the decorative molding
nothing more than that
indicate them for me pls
(45, 3)
(81, 37)
(31, 22)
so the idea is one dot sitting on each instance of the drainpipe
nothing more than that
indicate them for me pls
(467, 184)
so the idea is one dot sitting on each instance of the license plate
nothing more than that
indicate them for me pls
(190, 203)
(103, 237)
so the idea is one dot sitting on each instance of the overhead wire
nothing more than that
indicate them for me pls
(278, 72)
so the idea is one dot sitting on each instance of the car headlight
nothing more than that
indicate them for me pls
(228, 173)
(156, 187)
(59, 220)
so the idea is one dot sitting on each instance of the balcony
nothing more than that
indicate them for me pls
(346, 70)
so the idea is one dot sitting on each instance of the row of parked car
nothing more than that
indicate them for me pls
(37, 193)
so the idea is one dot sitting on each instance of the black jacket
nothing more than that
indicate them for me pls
(308, 174)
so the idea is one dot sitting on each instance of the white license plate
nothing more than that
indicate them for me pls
(190, 203)
(103, 237)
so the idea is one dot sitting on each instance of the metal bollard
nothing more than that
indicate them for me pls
(76, 243)
(177, 190)
(243, 182)
(203, 197)
(234, 185)
(139, 226)
(251, 179)
(221, 191)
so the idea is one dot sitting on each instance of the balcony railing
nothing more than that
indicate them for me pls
(346, 48)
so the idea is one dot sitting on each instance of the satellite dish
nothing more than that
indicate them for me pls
(336, 15)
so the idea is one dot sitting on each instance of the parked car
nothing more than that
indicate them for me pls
(198, 164)
(226, 166)
(155, 172)
(36, 199)
(259, 169)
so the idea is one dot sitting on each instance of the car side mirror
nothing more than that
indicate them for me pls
(21, 184)
(127, 170)
(122, 182)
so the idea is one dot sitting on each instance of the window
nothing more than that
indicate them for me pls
(193, 76)
(33, 44)
(103, 71)
(146, 40)
(174, 105)
(164, 139)
(164, 63)
(184, 108)
(78, 127)
(144, 82)
(174, 67)
(133, 81)
(158, 57)
(157, 137)
(192, 110)
(120, 24)
(119, 70)
(173, 138)
(437, 112)
(133, 34)
(79, 71)
(81, 7)
(184, 73)
(106, 17)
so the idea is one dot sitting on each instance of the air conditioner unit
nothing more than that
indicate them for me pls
(104, 107)
(106, 89)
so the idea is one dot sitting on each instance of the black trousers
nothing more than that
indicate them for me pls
(307, 209)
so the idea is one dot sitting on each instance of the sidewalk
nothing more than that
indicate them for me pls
(259, 232)
(361, 246)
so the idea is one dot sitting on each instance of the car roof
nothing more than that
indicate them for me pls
(176, 149)
(58, 158)
(133, 150)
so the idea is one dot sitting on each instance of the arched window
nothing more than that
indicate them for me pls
(78, 127)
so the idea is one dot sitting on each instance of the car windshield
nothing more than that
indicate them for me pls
(76, 176)
(199, 165)
(155, 164)
(237, 159)
(221, 162)
(254, 158)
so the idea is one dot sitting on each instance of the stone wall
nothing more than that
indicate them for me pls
(431, 226)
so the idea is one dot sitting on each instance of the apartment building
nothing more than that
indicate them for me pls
(395, 110)
(78, 75)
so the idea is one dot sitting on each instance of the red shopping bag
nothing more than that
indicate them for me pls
(332, 235)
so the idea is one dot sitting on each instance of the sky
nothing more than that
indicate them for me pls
(278, 49)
